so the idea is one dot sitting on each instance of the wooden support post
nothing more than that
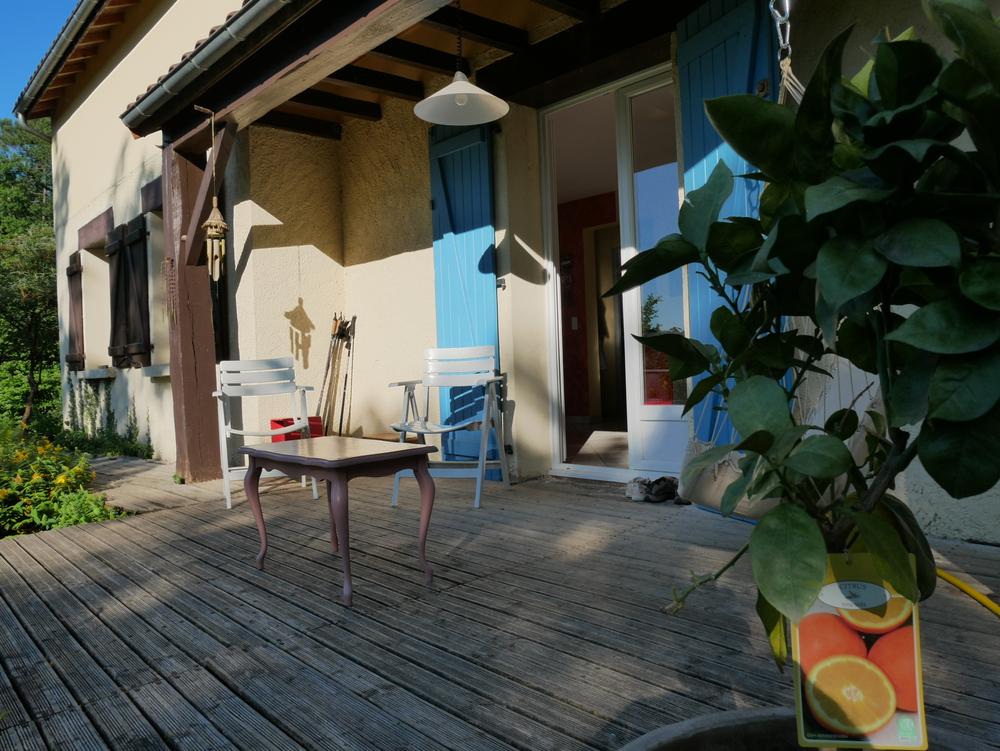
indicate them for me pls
(192, 338)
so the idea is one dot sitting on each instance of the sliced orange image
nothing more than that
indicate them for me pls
(850, 695)
(896, 612)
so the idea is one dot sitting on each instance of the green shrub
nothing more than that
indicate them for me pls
(44, 486)
(92, 425)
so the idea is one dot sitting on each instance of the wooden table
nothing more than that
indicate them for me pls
(339, 460)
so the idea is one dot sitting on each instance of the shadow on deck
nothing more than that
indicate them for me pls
(541, 631)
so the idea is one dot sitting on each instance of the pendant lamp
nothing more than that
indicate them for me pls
(460, 102)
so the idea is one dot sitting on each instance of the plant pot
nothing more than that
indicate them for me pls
(769, 729)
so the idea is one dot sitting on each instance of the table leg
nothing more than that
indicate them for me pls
(426, 484)
(333, 520)
(338, 510)
(251, 484)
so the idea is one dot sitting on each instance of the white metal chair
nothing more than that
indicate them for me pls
(476, 397)
(247, 378)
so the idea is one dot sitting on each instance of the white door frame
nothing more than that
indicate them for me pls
(557, 412)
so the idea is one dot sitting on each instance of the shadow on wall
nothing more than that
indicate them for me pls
(300, 328)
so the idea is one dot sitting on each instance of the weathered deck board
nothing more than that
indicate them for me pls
(542, 630)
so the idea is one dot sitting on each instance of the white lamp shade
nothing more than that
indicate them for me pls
(461, 103)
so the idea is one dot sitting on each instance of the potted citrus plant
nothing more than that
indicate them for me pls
(877, 238)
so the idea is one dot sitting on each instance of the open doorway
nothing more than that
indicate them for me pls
(585, 168)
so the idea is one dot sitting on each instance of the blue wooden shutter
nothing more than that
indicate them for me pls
(725, 47)
(465, 283)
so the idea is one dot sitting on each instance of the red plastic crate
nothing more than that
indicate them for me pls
(315, 429)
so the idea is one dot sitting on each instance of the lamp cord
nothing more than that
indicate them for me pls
(458, 60)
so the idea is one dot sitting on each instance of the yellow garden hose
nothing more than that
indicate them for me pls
(981, 599)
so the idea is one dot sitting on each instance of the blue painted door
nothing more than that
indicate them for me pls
(465, 285)
(725, 47)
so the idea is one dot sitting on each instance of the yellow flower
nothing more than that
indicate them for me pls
(20, 456)
(36, 476)
(61, 480)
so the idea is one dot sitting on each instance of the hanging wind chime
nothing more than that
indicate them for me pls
(215, 226)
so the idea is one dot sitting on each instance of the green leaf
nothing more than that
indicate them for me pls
(669, 254)
(734, 493)
(907, 403)
(788, 440)
(964, 387)
(962, 457)
(729, 242)
(858, 344)
(920, 242)
(977, 37)
(892, 562)
(759, 403)
(838, 192)
(702, 389)
(788, 556)
(949, 327)
(759, 442)
(759, 130)
(915, 543)
(981, 282)
(776, 628)
(703, 460)
(826, 319)
(846, 267)
(729, 330)
(842, 424)
(702, 206)
(820, 456)
(903, 70)
(813, 140)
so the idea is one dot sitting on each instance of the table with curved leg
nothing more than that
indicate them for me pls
(339, 460)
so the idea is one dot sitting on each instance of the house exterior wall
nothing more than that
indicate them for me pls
(814, 23)
(97, 165)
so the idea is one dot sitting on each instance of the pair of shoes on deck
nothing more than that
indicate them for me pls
(663, 489)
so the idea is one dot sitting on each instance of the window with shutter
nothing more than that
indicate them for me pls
(75, 356)
(128, 272)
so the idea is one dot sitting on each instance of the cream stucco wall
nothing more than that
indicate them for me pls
(814, 23)
(97, 165)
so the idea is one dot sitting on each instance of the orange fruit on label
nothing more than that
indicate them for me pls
(896, 654)
(824, 634)
(881, 621)
(850, 695)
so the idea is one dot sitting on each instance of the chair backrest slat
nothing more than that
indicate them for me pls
(258, 376)
(258, 389)
(458, 366)
(241, 365)
(459, 353)
(464, 379)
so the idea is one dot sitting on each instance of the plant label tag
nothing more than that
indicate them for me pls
(858, 678)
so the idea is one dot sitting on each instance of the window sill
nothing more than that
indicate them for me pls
(97, 374)
(157, 371)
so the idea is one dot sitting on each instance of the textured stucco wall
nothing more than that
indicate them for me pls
(97, 164)
(285, 271)
(814, 23)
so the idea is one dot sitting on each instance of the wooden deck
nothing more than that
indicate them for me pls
(540, 632)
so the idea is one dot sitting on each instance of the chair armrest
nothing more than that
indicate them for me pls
(216, 394)
(405, 383)
(305, 388)
(494, 379)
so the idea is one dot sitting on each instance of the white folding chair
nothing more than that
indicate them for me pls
(249, 378)
(475, 392)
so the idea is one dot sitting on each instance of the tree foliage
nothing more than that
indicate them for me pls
(29, 330)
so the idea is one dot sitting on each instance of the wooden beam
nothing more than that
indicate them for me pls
(202, 206)
(121, 3)
(377, 82)
(300, 124)
(339, 104)
(91, 38)
(74, 67)
(151, 196)
(63, 79)
(626, 39)
(82, 53)
(106, 20)
(584, 10)
(95, 232)
(478, 29)
(418, 56)
(192, 336)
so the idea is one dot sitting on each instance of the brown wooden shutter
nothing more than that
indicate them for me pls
(117, 269)
(137, 343)
(75, 357)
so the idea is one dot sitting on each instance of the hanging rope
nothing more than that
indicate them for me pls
(215, 226)
(790, 85)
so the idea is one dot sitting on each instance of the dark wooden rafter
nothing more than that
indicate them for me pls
(377, 82)
(309, 126)
(582, 10)
(106, 19)
(418, 56)
(193, 248)
(478, 29)
(94, 37)
(82, 53)
(74, 67)
(336, 104)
